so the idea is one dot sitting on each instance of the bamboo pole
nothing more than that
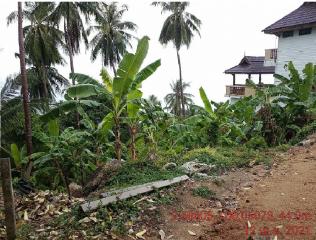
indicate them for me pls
(9, 206)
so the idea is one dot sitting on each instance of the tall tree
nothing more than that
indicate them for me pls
(71, 14)
(27, 115)
(154, 100)
(55, 84)
(42, 40)
(178, 28)
(112, 35)
(173, 99)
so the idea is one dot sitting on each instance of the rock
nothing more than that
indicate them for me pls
(218, 204)
(262, 173)
(75, 190)
(195, 167)
(247, 185)
(201, 175)
(307, 143)
(130, 231)
(170, 166)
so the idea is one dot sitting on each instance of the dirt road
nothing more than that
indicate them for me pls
(252, 203)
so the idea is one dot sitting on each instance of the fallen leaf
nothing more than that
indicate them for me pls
(191, 233)
(25, 216)
(249, 224)
(162, 234)
(54, 233)
(140, 234)
(85, 220)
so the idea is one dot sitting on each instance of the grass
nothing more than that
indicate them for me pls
(140, 172)
(228, 157)
(203, 192)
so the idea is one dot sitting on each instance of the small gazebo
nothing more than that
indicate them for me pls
(250, 66)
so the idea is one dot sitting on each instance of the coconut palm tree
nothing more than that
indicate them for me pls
(178, 28)
(42, 41)
(27, 115)
(154, 100)
(112, 35)
(173, 99)
(74, 32)
(54, 85)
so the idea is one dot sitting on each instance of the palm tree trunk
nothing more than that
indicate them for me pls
(117, 134)
(113, 68)
(70, 52)
(27, 114)
(181, 85)
(71, 62)
(45, 82)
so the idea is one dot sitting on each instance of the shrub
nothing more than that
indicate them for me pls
(203, 192)
(164, 157)
(257, 142)
(205, 155)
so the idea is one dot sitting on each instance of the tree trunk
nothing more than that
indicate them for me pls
(133, 132)
(181, 85)
(71, 62)
(114, 70)
(27, 114)
(45, 81)
(70, 52)
(117, 139)
(63, 177)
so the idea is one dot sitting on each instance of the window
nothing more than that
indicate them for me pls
(287, 34)
(305, 31)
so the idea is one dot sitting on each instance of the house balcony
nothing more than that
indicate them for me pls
(270, 58)
(239, 91)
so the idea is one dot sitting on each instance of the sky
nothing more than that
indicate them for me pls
(230, 29)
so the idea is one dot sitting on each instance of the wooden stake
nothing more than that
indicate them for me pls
(9, 206)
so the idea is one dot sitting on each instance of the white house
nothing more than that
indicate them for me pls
(296, 34)
(296, 39)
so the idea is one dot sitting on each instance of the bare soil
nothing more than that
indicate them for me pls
(252, 203)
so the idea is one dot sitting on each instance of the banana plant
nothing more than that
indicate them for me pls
(75, 98)
(125, 92)
(296, 93)
(65, 152)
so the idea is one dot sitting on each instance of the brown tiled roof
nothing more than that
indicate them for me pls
(304, 15)
(251, 65)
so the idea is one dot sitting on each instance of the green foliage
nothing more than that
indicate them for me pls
(168, 156)
(24, 231)
(205, 155)
(203, 192)
(64, 155)
(140, 172)
(180, 26)
(227, 157)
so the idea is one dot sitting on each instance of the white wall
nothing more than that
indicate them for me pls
(298, 49)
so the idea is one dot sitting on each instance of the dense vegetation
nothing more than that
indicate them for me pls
(103, 119)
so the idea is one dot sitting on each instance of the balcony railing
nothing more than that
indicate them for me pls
(239, 91)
